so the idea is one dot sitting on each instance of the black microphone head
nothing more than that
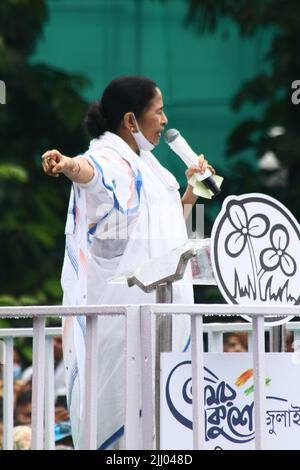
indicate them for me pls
(171, 135)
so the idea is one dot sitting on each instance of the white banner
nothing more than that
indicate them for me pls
(229, 407)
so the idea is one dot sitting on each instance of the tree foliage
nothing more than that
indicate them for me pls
(270, 89)
(44, 109)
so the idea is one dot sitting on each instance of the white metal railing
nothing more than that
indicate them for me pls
(7, 335)
(196, 312)
(139, 371)
(39, 315)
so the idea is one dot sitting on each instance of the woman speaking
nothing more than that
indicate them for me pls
(124, 209)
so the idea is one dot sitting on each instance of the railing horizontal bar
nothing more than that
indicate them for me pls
(60, 310)
(207, 327)
(192, 309)
(27, 332)
(292, 325)
(224, 309)
(226, 327)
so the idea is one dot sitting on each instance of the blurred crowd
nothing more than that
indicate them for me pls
(237, 341)
(23, 406)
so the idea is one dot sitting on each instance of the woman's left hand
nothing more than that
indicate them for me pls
(203, 165)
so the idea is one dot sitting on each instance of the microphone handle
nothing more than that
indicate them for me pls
(190, 158)
(209, 183)
(205, 178)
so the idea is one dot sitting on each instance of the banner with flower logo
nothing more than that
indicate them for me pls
(255, 251)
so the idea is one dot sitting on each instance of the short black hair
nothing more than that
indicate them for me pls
(23, 398)
(122, 95)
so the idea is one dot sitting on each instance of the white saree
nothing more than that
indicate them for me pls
(130, 212)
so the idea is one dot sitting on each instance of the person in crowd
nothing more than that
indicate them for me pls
(235, 341)
(22, 437)
(124, 209)
(63, 436)
(23, 408)
(17, 365)
(59, 372)
(289, 336)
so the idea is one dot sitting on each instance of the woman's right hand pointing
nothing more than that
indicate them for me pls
(53, 163)
(77, 169)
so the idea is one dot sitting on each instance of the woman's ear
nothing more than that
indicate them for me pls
(130, 122)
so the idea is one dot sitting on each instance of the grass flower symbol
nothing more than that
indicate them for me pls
(257, 226)
(245, 229)
(276, 256)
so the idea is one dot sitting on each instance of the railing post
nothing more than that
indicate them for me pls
(148, 430)
(38, 383)
(163, 343)
(198, 382)
(49, 395)
(215, 341)
(8, 394)
(90, 409)
(277, 338)
(133, 437)
(259, 381)
(296, 340)
(250, 341)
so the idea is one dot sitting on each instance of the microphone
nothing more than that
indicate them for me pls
(180, 146)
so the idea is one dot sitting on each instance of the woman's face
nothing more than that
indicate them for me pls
(153, 120)
(234, 344)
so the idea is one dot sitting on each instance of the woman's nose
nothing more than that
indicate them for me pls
(164, 119)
